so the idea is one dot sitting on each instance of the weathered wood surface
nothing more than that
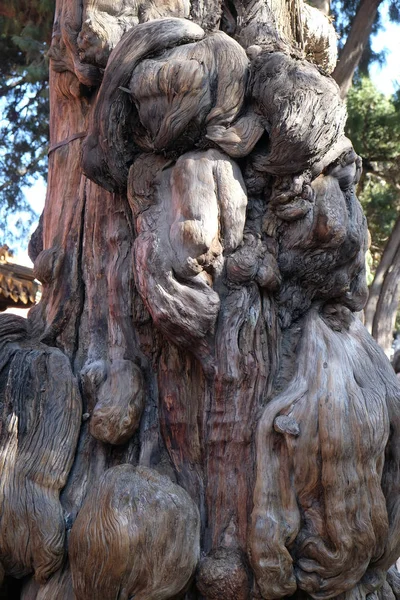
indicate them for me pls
(124, 529)
(235, 432)
(40, 421)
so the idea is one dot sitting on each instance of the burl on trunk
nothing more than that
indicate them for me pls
(194, 409)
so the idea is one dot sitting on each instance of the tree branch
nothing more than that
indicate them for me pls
(356, 42)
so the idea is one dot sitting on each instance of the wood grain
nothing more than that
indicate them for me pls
(40, 421)
(140, 535)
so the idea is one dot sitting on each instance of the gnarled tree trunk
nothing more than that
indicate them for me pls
(193, 410)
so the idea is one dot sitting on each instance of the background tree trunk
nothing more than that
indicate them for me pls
(355, 44)
(387, 306)
(198, 288)
(383, 299)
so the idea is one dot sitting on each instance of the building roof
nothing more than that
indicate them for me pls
(18, 286)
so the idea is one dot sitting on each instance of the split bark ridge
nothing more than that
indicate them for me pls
(194, 410)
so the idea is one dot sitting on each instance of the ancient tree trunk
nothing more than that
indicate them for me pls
(193, 410)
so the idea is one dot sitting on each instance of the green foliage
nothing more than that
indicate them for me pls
(381, 205)
(374, 128)
(373, 123)
(25, 31)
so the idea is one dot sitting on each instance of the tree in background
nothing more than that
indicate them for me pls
(355, 21)
(374, 126)
(25, 33)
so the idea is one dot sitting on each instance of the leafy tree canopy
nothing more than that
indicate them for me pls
(25, 32)
(374, 128)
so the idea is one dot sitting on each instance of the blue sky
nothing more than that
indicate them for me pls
(386, 78)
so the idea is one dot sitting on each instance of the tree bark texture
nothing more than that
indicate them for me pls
(194, 410)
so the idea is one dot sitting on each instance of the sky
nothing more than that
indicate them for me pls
(386, 78)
